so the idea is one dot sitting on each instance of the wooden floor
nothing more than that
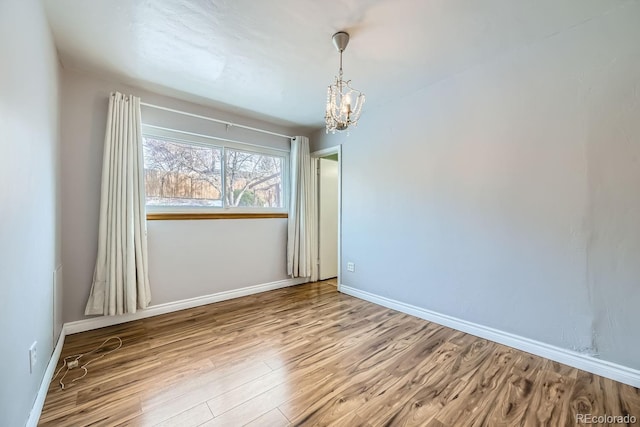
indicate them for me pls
(308, 355)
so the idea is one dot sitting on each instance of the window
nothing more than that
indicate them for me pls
(182, 174)
(253, 180)
(187, 173)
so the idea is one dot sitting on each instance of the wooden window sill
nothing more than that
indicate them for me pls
(169, 216)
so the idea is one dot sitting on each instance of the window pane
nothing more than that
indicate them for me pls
(253, 180)
(181, 174)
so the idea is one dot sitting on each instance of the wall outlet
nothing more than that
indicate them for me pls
(33, 356)
(351, 267)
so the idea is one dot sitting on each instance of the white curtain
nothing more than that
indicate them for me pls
(120, 280)
(301, 258)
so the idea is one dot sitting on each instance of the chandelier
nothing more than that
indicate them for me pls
(344, 103)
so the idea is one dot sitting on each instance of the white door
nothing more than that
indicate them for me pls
(328, 219)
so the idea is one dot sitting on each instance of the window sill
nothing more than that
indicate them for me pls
(175, 216)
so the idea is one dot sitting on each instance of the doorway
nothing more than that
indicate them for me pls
(328, 167)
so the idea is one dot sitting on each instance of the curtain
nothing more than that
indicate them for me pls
(120, 280)
(301, 231)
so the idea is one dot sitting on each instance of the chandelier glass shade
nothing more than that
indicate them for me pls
(344, 103)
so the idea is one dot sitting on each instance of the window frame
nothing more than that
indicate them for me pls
(191, 138)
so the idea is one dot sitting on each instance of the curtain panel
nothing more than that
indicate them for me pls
(301, 254)
(120, 280)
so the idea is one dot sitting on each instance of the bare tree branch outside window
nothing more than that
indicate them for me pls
(253, 180)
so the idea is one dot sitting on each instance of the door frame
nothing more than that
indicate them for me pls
(316, 155)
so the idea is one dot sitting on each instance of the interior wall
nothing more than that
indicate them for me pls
(29, 208)
(186, 258)
(507, 195)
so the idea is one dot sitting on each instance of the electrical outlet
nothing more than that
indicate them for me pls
(351, 267)
(33, 356)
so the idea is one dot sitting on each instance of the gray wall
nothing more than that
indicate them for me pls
(29, 219)
(186, 258)
(507, 195)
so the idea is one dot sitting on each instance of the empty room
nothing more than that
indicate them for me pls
(300, 213)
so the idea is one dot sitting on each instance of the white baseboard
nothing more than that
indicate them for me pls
(587, 363)
(155, 310)
(36, 410)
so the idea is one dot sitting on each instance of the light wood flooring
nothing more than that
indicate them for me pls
(308, 355)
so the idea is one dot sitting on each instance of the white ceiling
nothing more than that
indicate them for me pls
(275, 58)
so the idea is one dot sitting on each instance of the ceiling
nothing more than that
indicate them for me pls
(275, 58)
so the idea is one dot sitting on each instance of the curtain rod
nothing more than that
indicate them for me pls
(211, 119)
